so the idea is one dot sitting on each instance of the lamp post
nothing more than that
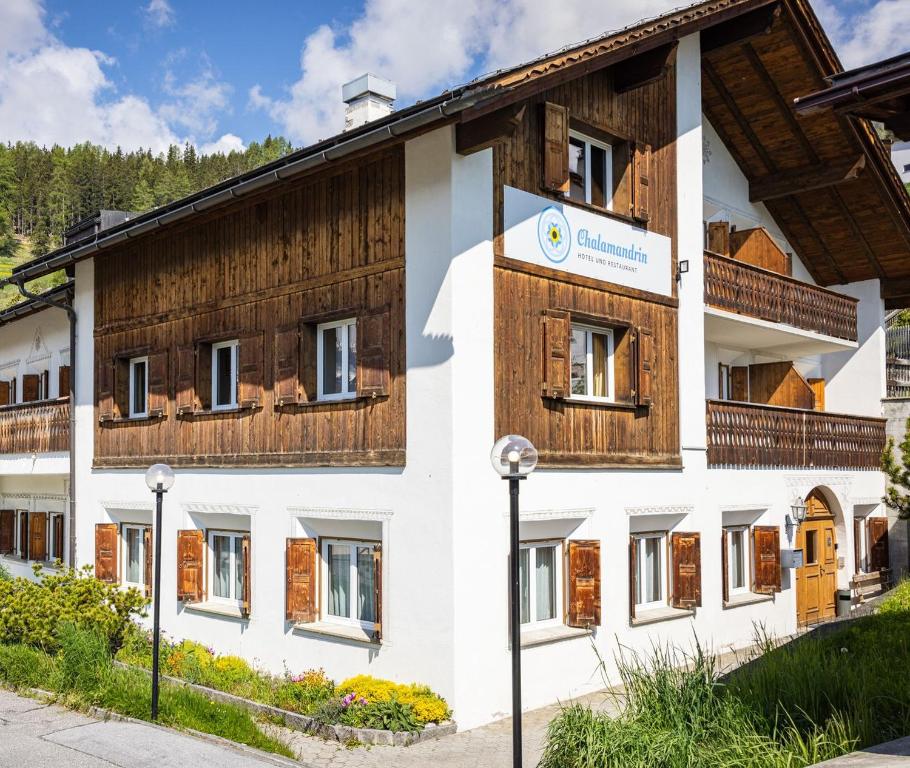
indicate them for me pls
(159, 478)
(514, 458)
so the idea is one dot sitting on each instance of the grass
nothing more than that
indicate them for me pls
(82, 675)
(797, 704)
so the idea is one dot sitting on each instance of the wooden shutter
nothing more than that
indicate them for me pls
(37, 544)
(45, 385)
(58, 537)
(377, 592)
(725, 565)
(121, 388)
(641, 181)
(250, 373)
(556, 328)
(287, 365)
(719, 237)
(247, 591)
(633, 576)
(148, 565)
(857, 549)
(818, 389)
(308, 362)
(300, 585)
(157, 384)
(644, 384)
(31, 383)
(105, 393)
(7, 531)
(877, 530)
(373, 354)
(5, 393)
(766, 559)
(739, 383)
(23, 535)
(203, 375)
(583, 583)
(686, 553)
(185, 395)
(555, 130)
(106, 536)
(190, 566)
(63, 381)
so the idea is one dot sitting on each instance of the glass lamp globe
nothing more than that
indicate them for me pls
(159, 474)
(799, 509)
(513, 455)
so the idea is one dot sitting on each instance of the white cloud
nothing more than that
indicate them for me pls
(159, 13)
(226, 144)
(872, 34)
(195, 104)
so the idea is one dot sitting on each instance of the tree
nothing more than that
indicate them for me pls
(897, 495)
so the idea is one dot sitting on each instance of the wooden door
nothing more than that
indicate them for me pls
(816, 581)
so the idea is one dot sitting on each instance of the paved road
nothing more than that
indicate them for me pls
(38, 735)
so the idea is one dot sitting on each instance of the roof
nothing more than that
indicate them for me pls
(33, 306)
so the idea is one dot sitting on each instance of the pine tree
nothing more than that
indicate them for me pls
(897, 495)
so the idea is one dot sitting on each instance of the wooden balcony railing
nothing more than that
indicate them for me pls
(747, 435)
(41, 427)
(739, 287)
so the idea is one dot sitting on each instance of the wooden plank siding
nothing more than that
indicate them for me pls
(317, 246)
(569, 433)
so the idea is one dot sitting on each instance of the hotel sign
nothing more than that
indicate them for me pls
(547, 233)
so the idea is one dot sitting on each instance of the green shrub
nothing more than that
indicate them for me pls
(83, 661)
(898, 599)
(426, 706)
(391, 715)
(4, 574)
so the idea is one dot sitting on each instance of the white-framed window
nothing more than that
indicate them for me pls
(739, 567)
(224, 374)
(139, 369)
(590, 171)
(348, 583)
(336, 364)
(724, 382)
(225, 567)
(540, 580)
(651, 571)
(56, 545)
(133, 555)
(592, 363)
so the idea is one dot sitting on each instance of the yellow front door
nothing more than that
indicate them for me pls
(816, 581)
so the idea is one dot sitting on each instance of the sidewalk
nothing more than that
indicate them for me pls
(893, 754)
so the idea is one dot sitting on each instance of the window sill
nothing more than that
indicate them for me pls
(355, 634)
(14, 559)
(217, 609)
(660, 614)
(748, 598)
(613, 404)
(328, 404)
(151, 419)
(216, 412)
(547, 635)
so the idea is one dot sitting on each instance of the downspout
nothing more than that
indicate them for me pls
(71, 501)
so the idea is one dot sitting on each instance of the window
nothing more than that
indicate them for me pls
(724, 383)
(55, 531)
(650, 570)
(590, 171)
(592, 363)
(349, 589)
(336, 351)
(134, 555)
(539, 576)
(811, 553)
(226, 567)
(139, 387)
(224, 375)
(738, 567)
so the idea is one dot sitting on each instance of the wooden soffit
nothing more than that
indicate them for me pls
(825, 178)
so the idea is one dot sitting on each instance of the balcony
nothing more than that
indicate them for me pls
(42, 427)
(750, 436)
(783, 314)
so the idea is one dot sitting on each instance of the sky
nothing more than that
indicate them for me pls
(222, 73)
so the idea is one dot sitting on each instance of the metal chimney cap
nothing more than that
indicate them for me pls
(368, 84)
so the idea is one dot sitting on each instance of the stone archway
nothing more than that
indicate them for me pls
(816, 580)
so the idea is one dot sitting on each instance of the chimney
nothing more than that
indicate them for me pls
(368, 98)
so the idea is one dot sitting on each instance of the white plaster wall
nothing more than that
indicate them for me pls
(34, 344)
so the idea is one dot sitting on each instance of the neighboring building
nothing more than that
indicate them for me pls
(631, 252)
(900, 154)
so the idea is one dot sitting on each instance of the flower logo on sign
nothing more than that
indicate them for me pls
(554, 234)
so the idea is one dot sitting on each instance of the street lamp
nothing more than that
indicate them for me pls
(514, 458)
(798, 511)
(159, 478)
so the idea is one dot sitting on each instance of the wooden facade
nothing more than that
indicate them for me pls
(328, 247)
(638, 430)
(35, 427)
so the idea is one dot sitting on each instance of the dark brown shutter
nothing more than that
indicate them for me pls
(300, 585)
(249, 365)
(5, 393)
(373, 354)
(686, 552)
(58, 537)
(185, 394)
(148, 565)
(725, 565)
(308, 363)
(23, 535)
(877, 528)
(31, 383)
(203, 375)
(105, 393)
(555, 130)
(106, 536)
(287, 365)
(739, 383)
(632, 577)
(190, 566)
(63, 381)
(584, 584)
(556, 328)
(377, 592)
(45, 385)
(7, 531)
(641, 181)
(247, 591)
(766, 559)
(157, 384)
(37, 546)
(644, 354)
(857, 549)
(121, 388)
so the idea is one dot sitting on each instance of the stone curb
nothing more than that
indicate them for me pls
(298, 722)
